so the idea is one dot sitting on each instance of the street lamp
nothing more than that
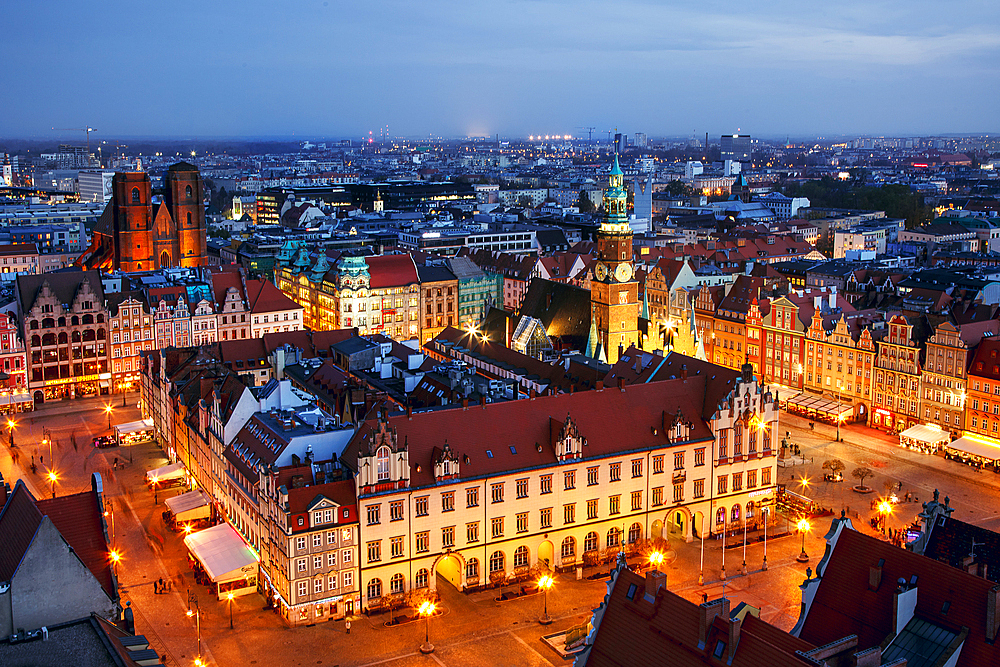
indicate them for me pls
(10, 429)
(884, 509)
(155, 499)
(655, 560)
(107, 409)
(545, 583)
(196, 613)
(230, 596)
(803, 526)
(115, 557)
(426, 610)
(52, 478)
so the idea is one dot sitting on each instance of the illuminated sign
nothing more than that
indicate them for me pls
(883, 412)
(761, 492)
(82, 378)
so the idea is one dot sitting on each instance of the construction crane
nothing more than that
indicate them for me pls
(590, 132)
(87, 129)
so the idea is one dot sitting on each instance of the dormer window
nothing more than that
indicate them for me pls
(382, 461)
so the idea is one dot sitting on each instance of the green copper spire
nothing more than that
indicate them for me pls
(615, 200)
(616, 169)
(592, 339)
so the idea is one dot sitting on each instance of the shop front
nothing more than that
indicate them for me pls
(95, 384)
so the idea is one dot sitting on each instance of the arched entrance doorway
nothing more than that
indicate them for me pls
(545, 551)
(656, 530)
(697, 527)
(449, 567)
(39, 398)
(679, 524)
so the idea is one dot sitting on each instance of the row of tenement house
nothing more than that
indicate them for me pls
(80, 333)
(352, 505)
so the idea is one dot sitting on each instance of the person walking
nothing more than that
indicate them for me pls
(347, 625)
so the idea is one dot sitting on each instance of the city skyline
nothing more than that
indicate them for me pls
(515, 69)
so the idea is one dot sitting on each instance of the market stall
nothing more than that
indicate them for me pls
(167, 476)
(926, 438)
(221, 557)
(134, 432)
(819, 408)
(975, 451)
(189, 510)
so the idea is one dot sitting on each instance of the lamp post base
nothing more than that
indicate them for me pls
(701, 579)
(427, 648)
(764, 568)
(545, 620)
(803, 557)
(722, 575)
(744, 570)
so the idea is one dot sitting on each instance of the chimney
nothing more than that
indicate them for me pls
(621, 383)
(531, 393)
(684, 372)
(735, 624)
(874, 577)
(707, 611)
(600, 385)
(869, 658)
(992, 613)
(655, 580)
(833, 297)
(409, 411)
(465, 403)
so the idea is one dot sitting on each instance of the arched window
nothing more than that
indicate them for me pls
(496, 562)
(189, 219)
(135, 195)
(614, 537)
(75, 336)
(74, 321)
(374, 589)
(48, 339)
(63, 338)
(734, 516)
(88, 319)
(164, 259)
(187, 192)
(420, 579)
(36, 341)
(749, 510)
(382, 463)
(568, 548)
(720, 516)
(634, 533)
(396, 584)
(101, 334)
(48, 323)
(521, 557)
(590, 542)
(472, 568)
(34, 324)
(89, 335)
(62, 321)
(100, 318)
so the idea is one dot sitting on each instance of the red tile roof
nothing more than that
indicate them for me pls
(844, 604)
(391, 270)
(340, 492)
(80, 520)
(986, 359)
(264, 297)
(222, 281)
(608, 419)
(19, 520)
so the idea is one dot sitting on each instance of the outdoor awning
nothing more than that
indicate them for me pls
(172, 471)
(186, 501)
(819, 405)
(927, 434)
(976, 447)
(223, 553)
(135, 427)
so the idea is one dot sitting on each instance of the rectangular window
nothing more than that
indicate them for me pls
(569, 478)
(301, 564)
(658, 464)
(737, 481)
(522, 488)
(723, 484)
(765, 476)
(373, 514)
(657, 499)
(699, 488)
(636, 468)
(472, 497)
(614, 505)
(546, 484)
(545, 519)
(678, 460)
(615, 472)
(569, 513)
(300, 543)
(472, 532)
(331, 559)
(496, 527)
(496, 492)
(448, 537)
(447, 501)
(396, 510)
(679, 493)
(592, 476)
(522, 522)
(303, 589)
(375, 551)
(331, 537)
(420, 506)
(752, 479)
(699, 457)
(317, 540)
(396, 546)
(591, 509)
(636, 500)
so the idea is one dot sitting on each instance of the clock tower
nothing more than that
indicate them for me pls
(614, 293)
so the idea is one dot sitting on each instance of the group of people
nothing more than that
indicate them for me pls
(161, 586)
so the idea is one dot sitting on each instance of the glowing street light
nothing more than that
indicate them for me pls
(107, 410)
(196, 613)
(10, 430)
(803, 526)
(426, 610)
(656, 559)
(155, 479)
(545, 583)
(230, 596)
(52, 478)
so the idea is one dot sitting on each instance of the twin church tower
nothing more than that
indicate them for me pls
(614, 291)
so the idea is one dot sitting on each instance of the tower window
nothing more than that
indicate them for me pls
(187, 192)
(189, 219)
(135, 195)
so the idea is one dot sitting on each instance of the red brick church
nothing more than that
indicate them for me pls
(133, 234)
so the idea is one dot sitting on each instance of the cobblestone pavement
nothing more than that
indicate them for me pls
(474, 629)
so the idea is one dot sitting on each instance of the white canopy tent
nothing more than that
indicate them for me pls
(227, 560)
(135, 427)
(974, 448)
(187, 503)
(172, 471)
(925, 437)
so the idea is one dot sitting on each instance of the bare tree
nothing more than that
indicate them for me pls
(861, 474)
(834, 466)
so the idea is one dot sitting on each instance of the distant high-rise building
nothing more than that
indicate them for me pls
(736, 147)
(639, 140)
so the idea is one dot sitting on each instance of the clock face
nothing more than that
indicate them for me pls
(601, 271)
(623, 273)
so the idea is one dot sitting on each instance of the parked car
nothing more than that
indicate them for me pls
(103, 441)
